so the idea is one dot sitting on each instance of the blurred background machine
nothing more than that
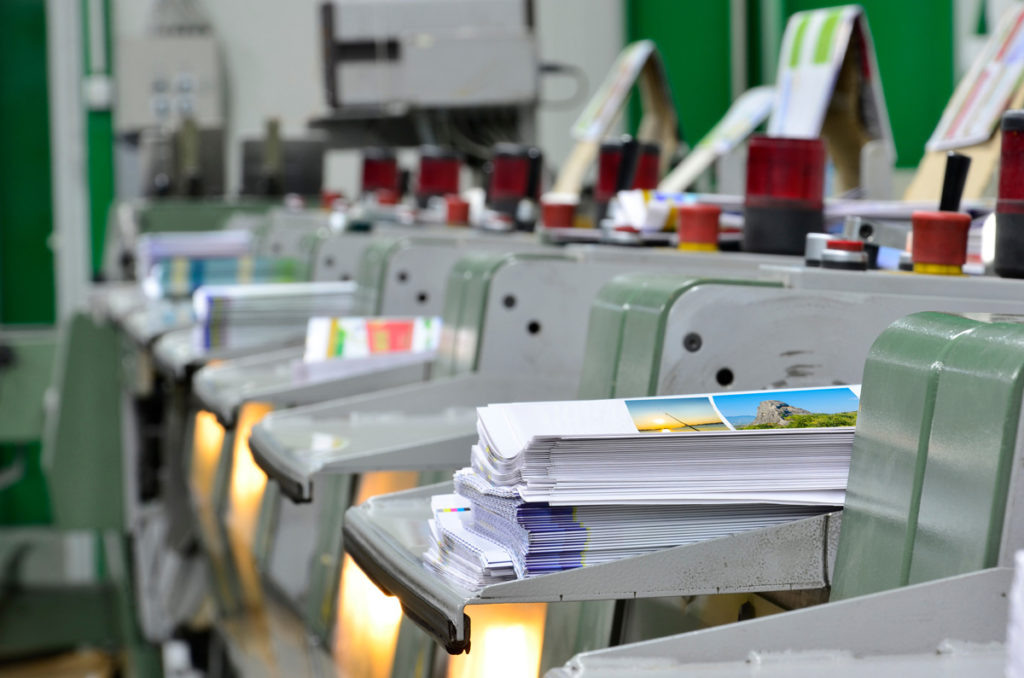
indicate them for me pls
(463, 73)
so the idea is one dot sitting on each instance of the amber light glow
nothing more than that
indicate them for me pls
(507, 642)
(207, 447)
(207, 438)
(245, 494)
(367, 629)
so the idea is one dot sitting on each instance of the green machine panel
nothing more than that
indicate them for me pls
(937, 436)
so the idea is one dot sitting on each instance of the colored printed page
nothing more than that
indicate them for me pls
(604, 106)
(984, 93)
(744, 116)
(181, 276)
(512, 426)
(359, 337)
(813, 49)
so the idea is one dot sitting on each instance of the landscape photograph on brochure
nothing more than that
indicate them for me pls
(799, 408)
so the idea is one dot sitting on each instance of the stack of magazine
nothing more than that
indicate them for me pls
(339, 347)
(559, 485)
(233, 316)
(153, 248)
(180, 277)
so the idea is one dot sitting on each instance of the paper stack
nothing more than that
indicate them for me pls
(461, 553)
(182, 276)
(360, 337)
(231, 316)
(153, 248)
(348, 346)
(559, 485)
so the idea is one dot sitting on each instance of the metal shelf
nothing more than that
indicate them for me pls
(422, 427)
(913, 620)
(146, 324)
(176, 353)
(388, 534)
(281, 378)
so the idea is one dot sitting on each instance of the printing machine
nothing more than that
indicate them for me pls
(338, 493)
(398, 276)
(532, 351)
(922, 571)
(829, 319)
(637, 347)
(400, 73)
(80, 571)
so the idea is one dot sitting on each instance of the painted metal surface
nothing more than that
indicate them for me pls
(383, 536)
(911, 620)
(27, 292)
(901, 427)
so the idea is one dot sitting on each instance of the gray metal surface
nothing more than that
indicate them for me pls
(948, 659)
(804, 336)
(282, 379)
(295, 233)
(176, 353)
(911, 620)
(145, 324)
(387, 536)
(418, 271)
(286, 443)
(337, 257)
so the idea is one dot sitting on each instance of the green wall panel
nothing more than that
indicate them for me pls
(693, 39)
(26, 502)
(99, 130)
(913, 41)
(914, 44)
(26, 263)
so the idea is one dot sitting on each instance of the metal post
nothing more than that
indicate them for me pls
(70, 237)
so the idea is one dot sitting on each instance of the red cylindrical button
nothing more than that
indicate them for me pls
(386, 196)
(698, 224)
(328, 198)
(458, 210)
(784, 171)
(940, 238)
(845, 245)
(557, 213)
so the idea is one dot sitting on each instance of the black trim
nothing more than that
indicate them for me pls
(327, 49)
(845, 265)
(368, 50)
(290, 487)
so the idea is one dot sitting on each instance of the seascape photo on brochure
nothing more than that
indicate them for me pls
(805, 408)
(828, 407)
(675, 415)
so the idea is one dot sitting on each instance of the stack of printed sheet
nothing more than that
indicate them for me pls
(154, 248)
(232, 316)
(559, 485)
(179, 277)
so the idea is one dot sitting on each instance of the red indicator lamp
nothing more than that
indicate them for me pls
(648, 170)
(785, 194)
(1009, 259)
(515, 177)
(380, 170)
(439, 173)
